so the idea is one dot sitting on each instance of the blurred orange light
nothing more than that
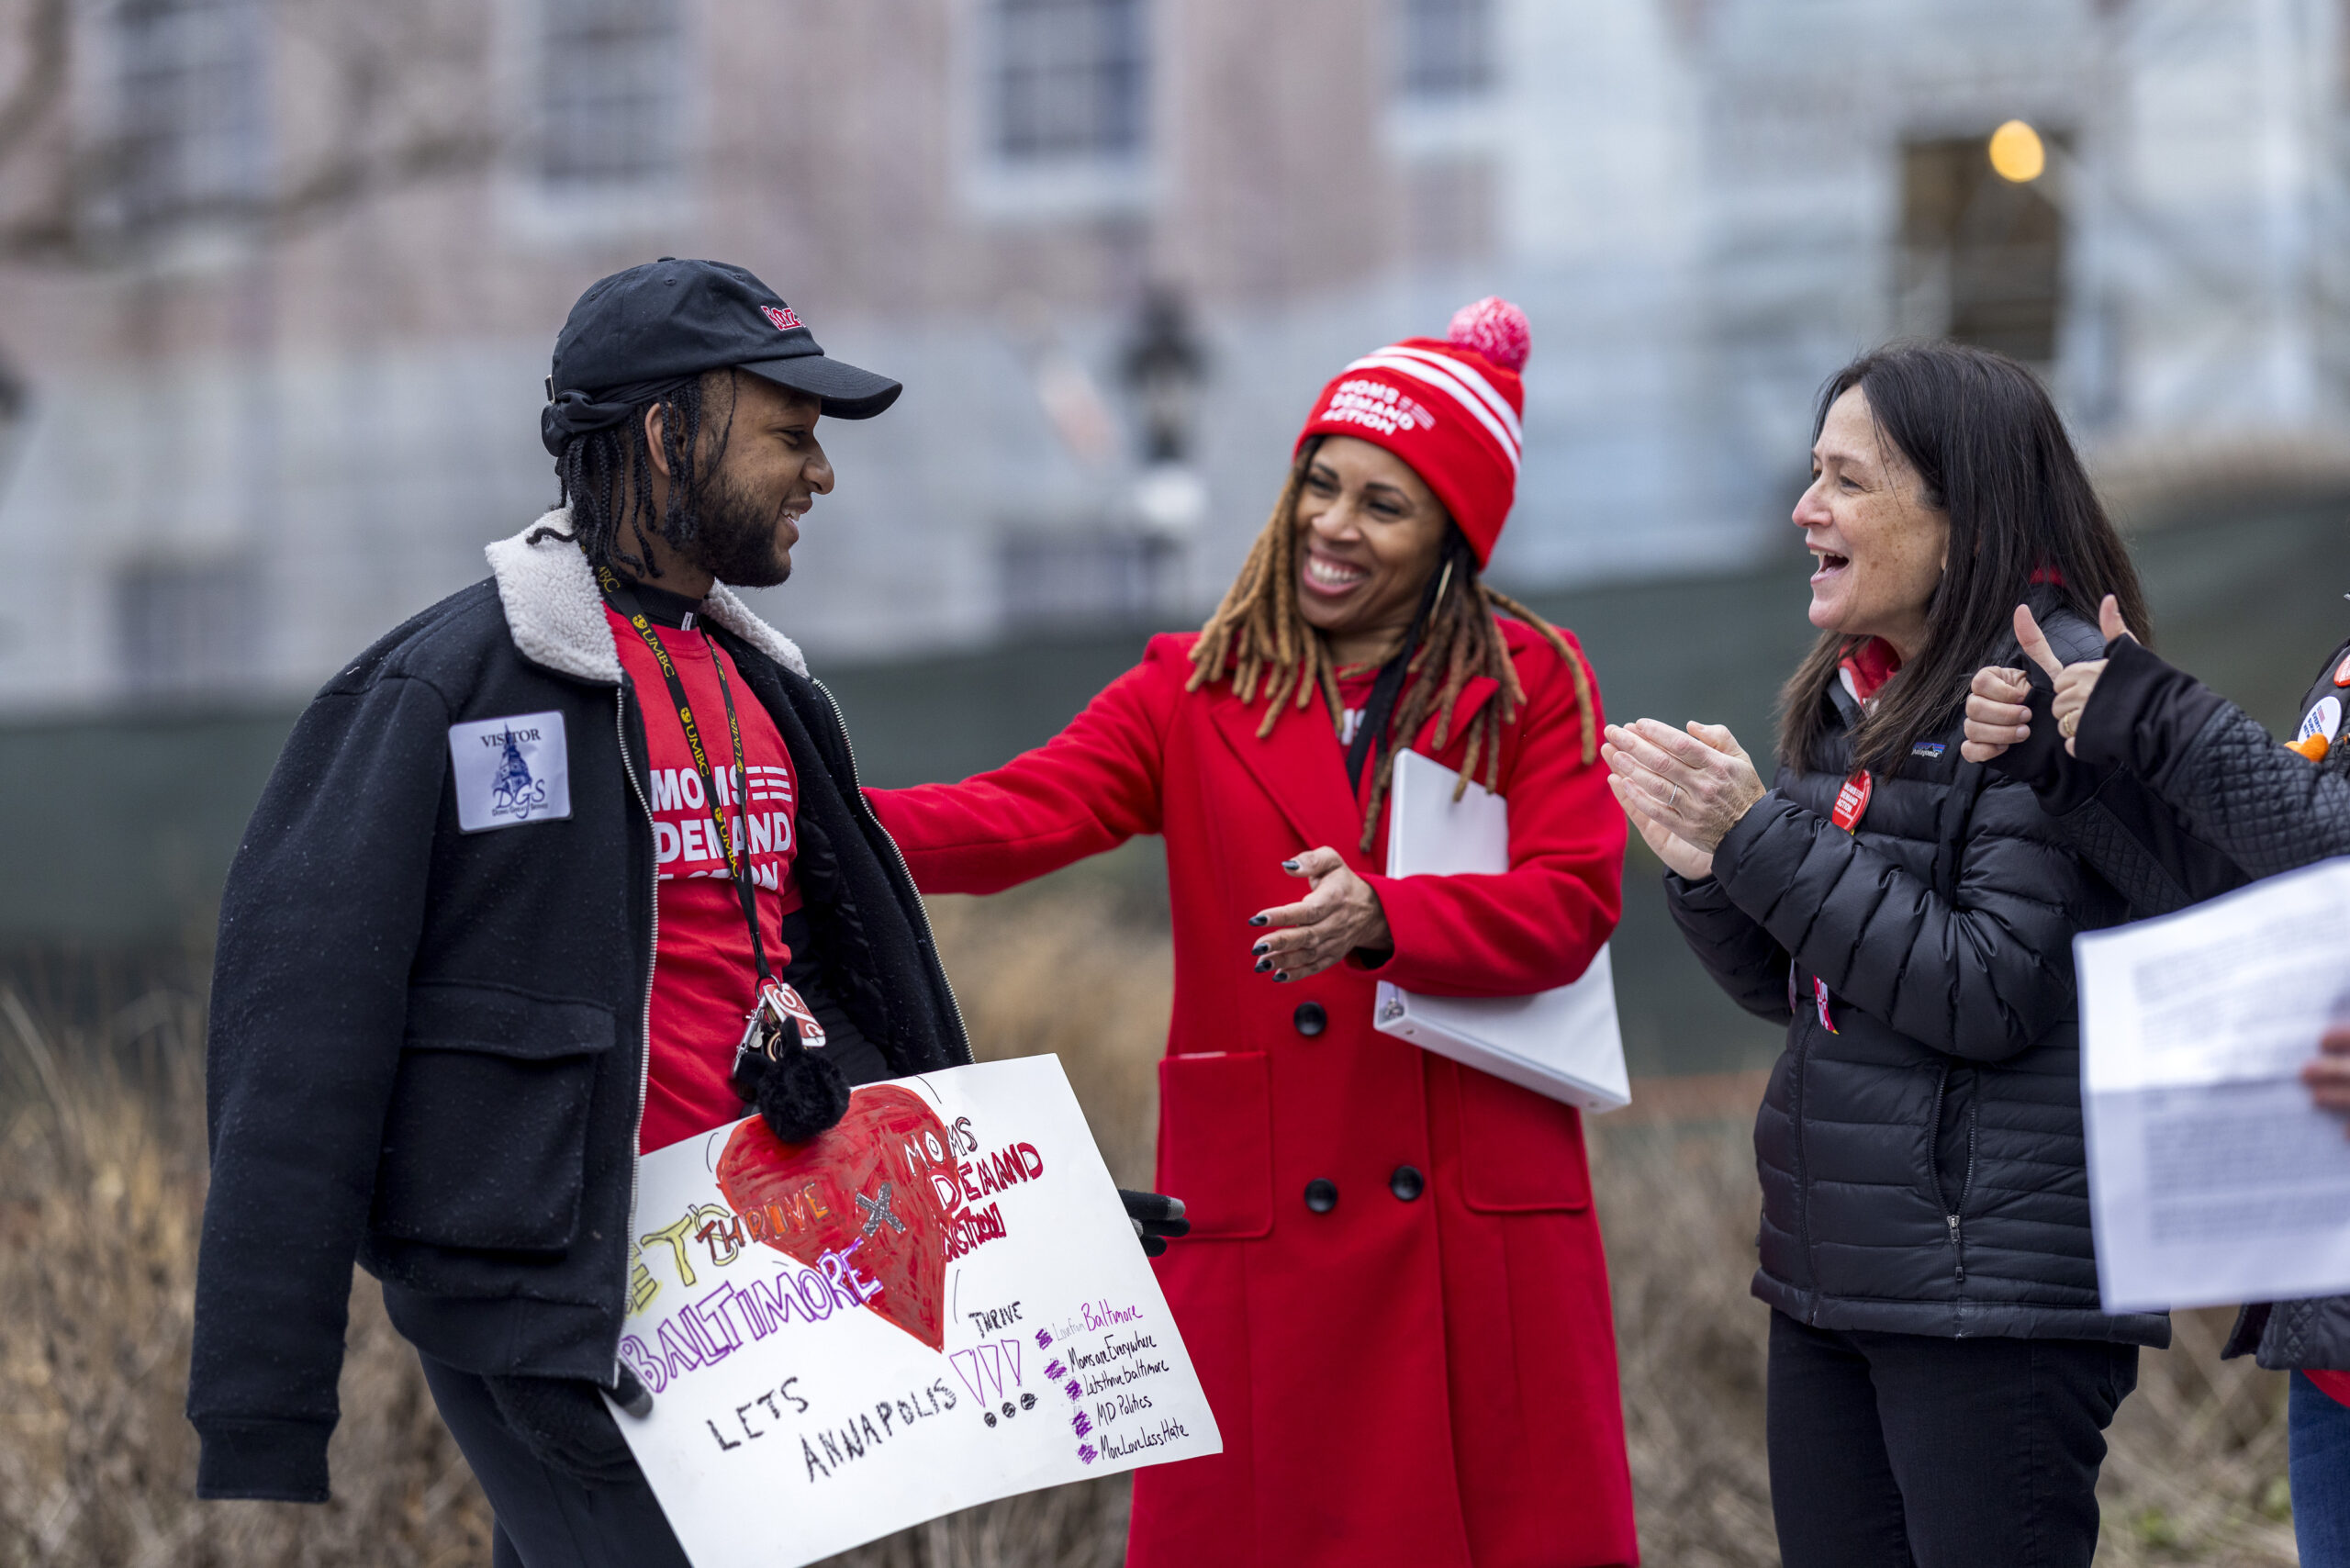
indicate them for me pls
(2017, 154)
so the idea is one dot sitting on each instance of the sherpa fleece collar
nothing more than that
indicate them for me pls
(557, 617)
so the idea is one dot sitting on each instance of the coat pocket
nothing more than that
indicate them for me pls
(486, 1141)
(1519, 1152)
(1216, 1141)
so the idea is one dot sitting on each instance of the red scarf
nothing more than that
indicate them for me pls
(1871, 663)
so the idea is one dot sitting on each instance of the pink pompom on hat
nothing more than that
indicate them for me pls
(1449, 407)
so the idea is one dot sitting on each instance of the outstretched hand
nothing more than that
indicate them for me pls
(1996, 712)
(1340, 913)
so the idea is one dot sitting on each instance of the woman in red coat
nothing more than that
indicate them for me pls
(1394, 1288)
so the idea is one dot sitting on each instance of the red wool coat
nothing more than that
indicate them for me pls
(1423, 1373)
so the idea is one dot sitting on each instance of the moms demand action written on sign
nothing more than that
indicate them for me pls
(937, 1302)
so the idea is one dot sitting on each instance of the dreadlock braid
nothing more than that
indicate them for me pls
(1258, 637)
(607, 476)
(1258, 631)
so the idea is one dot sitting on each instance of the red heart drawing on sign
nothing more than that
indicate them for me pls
(861, 1185)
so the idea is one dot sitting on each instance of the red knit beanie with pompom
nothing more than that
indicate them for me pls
(1448, 406)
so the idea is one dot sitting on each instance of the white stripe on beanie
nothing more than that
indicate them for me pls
(1452, 389)
(1476, 380)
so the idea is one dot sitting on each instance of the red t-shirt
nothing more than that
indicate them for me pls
(703, 979)
(2335, 1385)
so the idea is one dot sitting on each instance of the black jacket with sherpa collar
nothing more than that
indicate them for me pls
(428, 1044)
(1920, 1150)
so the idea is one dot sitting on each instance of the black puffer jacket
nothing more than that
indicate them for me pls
(2178, 795)
(1921, 1161)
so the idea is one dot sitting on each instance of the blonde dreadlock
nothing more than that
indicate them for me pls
(1258, 636)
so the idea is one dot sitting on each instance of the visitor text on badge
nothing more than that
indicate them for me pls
(510, 771)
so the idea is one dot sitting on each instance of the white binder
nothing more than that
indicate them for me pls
(1564, 1043)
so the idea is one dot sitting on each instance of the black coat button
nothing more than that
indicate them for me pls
(1310, 1019)
(1408, 1183)
(1321, 1196)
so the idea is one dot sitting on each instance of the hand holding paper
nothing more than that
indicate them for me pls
(1156, 1219)
(2329, 1075)
(935, 1303)
(2213, 1177)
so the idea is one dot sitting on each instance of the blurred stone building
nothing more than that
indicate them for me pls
(278, 278)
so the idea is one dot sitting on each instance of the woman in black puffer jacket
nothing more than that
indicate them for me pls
(1940, 1374)
(2176, 795)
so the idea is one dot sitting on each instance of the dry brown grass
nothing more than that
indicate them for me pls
(101, 1162)
(2197, 1469)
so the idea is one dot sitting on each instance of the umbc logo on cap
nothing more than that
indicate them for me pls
(781, 316)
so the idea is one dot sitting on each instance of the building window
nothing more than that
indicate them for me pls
(191, 85)
(1982, 259)
(1069, 80)
(611, 91)
(1444, 48)
(186, 627)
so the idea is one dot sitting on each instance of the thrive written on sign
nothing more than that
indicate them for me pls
(937, 1302)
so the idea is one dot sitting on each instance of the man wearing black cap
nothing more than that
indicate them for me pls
(571, 866)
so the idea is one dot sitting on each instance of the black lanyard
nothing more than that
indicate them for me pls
(618, 594)
(1379, 708)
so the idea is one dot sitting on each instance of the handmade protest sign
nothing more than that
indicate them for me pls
(937, 1302)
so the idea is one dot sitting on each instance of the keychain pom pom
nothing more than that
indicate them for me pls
(801, 1095)
(1495, 327)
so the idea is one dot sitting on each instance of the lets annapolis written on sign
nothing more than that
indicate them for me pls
(936, 1303)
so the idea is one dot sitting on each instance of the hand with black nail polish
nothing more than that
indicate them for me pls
(1339, 914)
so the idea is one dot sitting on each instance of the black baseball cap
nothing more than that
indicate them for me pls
(638, 331)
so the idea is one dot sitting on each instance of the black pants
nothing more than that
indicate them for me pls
(546, 1519)
(1911, 1451)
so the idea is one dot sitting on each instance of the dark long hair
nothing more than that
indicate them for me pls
(606, 474)
(1990, 451)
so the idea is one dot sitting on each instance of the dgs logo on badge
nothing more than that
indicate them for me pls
(510, 771)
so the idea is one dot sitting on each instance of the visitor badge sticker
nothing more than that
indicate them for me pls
(937, 1302)
(2323, 720)
(510, 771)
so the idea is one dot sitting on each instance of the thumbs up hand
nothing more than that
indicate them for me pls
(1996, 712)
(2076, 683)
